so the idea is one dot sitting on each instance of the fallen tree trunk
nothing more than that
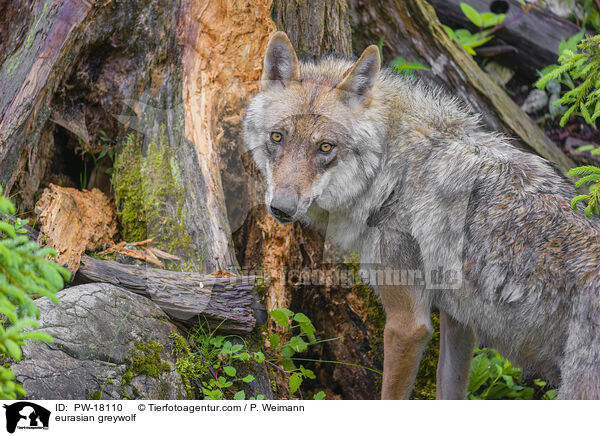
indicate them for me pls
(223, 302)
(230, 303)
(535, 35)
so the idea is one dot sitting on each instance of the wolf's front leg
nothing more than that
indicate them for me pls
(454, 365)
(407, 332)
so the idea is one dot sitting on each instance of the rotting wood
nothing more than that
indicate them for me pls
(223, 302)
(74, 221)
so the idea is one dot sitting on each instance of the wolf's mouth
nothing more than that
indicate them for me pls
(281, 216)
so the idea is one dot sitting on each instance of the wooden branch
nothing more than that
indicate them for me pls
(224, 302)
(536, 34)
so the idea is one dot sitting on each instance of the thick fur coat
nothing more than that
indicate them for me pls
(406, 176)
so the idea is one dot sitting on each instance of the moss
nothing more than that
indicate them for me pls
(144, 359)
(374, 309)
(150, 196)
(96, 255)
(185, 365)
(15, 60)
(200, 357)
(425, 383)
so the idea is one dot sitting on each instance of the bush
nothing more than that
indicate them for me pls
(25, 272)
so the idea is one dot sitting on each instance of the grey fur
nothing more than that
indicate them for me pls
(420, 184)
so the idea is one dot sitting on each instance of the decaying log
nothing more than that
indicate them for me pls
(224, 302)
(228, 302)
(411, 29)
(74, 221)
(535, 35)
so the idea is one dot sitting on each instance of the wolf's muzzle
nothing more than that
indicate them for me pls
(284, 206)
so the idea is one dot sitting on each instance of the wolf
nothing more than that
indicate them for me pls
(406, 176)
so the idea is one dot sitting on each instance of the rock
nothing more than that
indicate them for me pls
(95, 328)
(499, 73)
(535, 101)
(564, 8)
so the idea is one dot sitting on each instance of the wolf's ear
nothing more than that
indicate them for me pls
(281, 63)
(359, 79)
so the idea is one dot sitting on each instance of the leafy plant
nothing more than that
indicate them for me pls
(580, 70)
(495, 378)
(208, 359)
(403, 66)
(574, 65)
(487, 22)
(25, 271)
(298, 343)
(591, 14)
(106, 144)
(400, 64)
(214, 362)
(589, 174)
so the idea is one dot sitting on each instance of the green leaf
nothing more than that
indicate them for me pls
(13, 349)
(449, 31)
(479, 372)
(287, 350)
(288, 364)
(307, 373)
(280, 317)
(470, 51)
(571, 43)
(230, 371)
(490, 19)
(240, 395)
(472, 14)
(295, 382)
(274, 341)
(248, 379)
(583, 148)
(298, 344)
(319, 396)
(301, 318)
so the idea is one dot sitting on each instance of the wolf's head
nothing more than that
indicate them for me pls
(313, 129)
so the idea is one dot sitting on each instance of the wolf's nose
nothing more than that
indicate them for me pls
(284, 207)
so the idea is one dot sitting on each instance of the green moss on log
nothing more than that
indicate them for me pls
(150, 195)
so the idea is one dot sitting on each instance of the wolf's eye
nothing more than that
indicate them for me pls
(276, 136)
(326, 147)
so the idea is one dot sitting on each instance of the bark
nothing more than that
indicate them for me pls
(411, 29)
(224, 302)
(139, 74)
(39, 42)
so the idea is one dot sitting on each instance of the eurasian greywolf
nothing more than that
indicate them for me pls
(405, 175)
